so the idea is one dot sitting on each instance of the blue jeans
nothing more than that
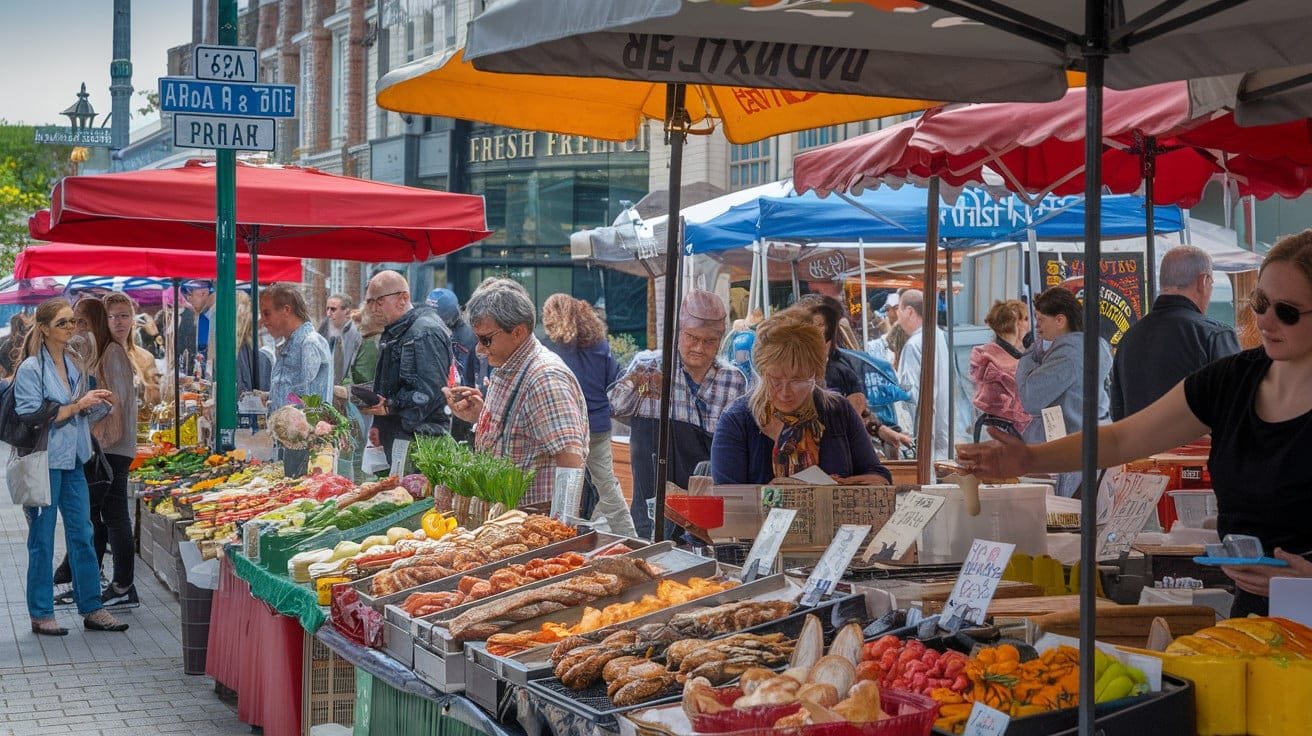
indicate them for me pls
(70, 497)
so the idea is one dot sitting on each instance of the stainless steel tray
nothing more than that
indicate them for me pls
(400, 629)
(444, 672)
(675, 563)
(585, 542)
(519, 668)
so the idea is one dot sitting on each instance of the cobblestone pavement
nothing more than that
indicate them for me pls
(98, 683)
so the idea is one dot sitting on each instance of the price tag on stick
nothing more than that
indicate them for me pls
(986, 721)
(978, 581)
(1134, 499)
(895, 537)
(400, 455)
(768, 541)
(829, 570)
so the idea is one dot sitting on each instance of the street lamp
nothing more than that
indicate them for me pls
(80, 113)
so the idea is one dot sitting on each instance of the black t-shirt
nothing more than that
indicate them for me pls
(1259, 469)
(842, 377)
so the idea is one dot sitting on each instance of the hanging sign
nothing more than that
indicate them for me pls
(761, 557)
(1134, 498)
(823, 267)
(978, 581)
(829, 570)
(903, 528)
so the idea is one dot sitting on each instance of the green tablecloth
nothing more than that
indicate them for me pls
(285, 596)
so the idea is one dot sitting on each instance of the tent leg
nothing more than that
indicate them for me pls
(925, 406)
(1149, 163)
(952, 365)
(1096, 25)
(797, 288)
(676, 131)
(177, 358)
(865, 299)
(253, 247)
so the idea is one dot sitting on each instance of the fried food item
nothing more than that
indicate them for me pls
(722, 660)
(730, 617)
(423, 604)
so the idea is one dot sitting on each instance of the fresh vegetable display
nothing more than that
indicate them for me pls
(996, 677)
(468, 474)
(910, 665)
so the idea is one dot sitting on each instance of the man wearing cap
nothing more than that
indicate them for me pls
(414, 363)
(192, 332)
(339, 330)
(704, 386)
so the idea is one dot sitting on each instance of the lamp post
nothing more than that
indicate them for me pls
(80, 113)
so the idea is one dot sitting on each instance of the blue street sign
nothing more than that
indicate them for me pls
(189, 95)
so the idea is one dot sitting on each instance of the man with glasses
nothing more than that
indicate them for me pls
(193, 329)
(339, 330)
(704, 386)
(533, 411)
(1173, 340)
(414, 362)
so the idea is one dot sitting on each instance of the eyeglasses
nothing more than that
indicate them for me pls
(486, 340)
(62, 324)
(374, 300)
(124, 317)
(337, 309)
(692, 339)
(1285, 312)
(794, 386)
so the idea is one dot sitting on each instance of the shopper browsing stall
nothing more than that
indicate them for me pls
(340, 332)
(534, 412)
(789, 423)
(304, 365)
(1257, 405)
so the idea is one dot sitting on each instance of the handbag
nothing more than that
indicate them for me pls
(27, 466)
(28, 477)
(623, 397)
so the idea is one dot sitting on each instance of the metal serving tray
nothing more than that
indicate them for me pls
(400, 630)
(594, 704)
(518, 668)
(676, 564)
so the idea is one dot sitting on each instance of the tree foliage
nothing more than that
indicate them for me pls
(28, 171)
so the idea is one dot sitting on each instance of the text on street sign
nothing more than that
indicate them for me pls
(210, 131)
(66, 136)
(226, 63)
(183, 94)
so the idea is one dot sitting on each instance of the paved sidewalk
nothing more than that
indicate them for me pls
(97, 683)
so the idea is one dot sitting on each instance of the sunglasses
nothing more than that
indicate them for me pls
(486, 340)
(1288, 314)
(374, 300)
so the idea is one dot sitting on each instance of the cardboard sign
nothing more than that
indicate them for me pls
(400, 454)
(1134, 499)
(829, 570)
(986, 721)
(1054, 424)
(760, 560)
(978, 581)
(914, 511)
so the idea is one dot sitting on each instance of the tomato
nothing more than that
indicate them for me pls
(868, 671)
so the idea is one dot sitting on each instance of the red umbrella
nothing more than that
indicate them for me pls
(68, 259)
(281, 210)
(1039, 149)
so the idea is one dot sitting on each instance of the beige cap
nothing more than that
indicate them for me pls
(702, 309)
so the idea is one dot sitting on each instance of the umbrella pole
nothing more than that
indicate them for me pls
(865, 304)
(1096, 22)
(952, 365)
(925, 405)
(676, 133)
(177, 357)
(1148, 168)
(253, 247)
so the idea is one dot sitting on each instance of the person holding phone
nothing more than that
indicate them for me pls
(1257, 404)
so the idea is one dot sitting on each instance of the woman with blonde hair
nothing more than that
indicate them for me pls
(788, 423)
(577, 334)
(993, 365)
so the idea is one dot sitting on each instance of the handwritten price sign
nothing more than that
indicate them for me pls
(895, 537)
(1134, 498)
(986, 721)
(978, 581)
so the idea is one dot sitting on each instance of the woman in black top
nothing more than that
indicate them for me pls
(1258, 407)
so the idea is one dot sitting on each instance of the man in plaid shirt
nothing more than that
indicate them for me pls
(534, 412)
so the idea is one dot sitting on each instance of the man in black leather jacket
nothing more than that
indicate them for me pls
(414, 361)
(1175, 339)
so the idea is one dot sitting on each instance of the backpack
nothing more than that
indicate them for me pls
(882, 387)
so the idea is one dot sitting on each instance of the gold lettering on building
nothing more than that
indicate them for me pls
(523, 145)
(526, 145)
(499, 147)
(567, 145)
(551, 144)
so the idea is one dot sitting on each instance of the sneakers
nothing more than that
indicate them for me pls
(64, 594)
(115, 598)
(101, 620)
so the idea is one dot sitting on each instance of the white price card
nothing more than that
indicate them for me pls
(1054, 424)
(913, 513)
(760, 559)
(567, 493)
(978, 581)
(400, 454)
(986, 721)
(1134, 499)
(829, 570)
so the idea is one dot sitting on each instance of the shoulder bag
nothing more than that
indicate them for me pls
(27, 464)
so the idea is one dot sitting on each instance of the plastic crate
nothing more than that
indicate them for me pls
(327, 686)
(274, 555)
(195, 619)
(705, 512)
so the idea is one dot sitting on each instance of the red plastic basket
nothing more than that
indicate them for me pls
(912, 715)
(706, 512)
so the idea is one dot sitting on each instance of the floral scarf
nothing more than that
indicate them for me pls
(798, 445)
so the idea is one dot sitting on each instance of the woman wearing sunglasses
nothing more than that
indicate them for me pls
(788, 423)
(51, 381)
(1257, 405)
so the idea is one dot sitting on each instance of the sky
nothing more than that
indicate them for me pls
(50, 47)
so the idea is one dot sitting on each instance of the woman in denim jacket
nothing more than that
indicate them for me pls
(50, 373)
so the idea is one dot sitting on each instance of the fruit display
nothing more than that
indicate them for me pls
(910, 665)
(1248, 637)
(997, 678)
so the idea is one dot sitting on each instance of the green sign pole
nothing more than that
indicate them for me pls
(224, 335)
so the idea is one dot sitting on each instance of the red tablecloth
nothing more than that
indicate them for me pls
(256, 653)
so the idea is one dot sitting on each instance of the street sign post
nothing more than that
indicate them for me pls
(66, 136)
(226, 63)
(235, 133)
(184, 94)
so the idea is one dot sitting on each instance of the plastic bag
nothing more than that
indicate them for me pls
(374, 460)
(355, 620)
